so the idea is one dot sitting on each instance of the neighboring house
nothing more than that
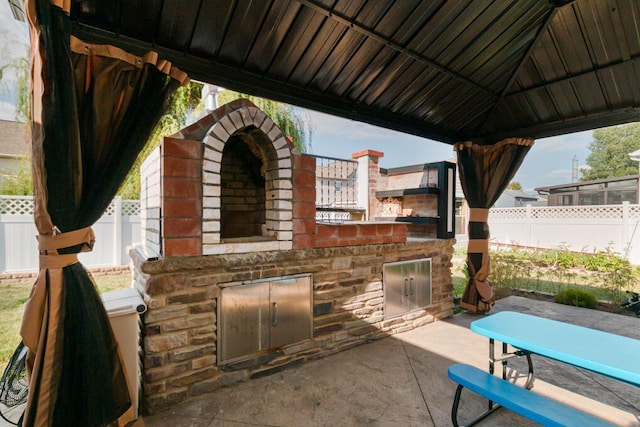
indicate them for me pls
(13, 147)
(17, 7)
(609, 191)
(336, 183)
(516, 199)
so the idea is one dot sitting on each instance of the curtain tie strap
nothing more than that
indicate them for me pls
(478, 215)
(57, 261)
(478, 246)
(48, 242)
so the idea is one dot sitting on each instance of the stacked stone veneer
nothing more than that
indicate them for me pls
(180, 335)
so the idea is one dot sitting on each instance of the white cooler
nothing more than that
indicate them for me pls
(124, 307)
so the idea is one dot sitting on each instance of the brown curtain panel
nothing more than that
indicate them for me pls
(94, 107)
(485, 171)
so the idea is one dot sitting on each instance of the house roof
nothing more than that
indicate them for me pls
(521, 195)
(446, 70)
(574, 185)
(13, 141)
(17, 10)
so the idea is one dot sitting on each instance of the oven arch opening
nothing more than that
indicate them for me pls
(246, 159)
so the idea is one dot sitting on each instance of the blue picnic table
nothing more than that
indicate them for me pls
(604, 353)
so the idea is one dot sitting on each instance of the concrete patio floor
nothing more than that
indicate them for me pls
(402, 381)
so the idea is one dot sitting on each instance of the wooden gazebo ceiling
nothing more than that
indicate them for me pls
(446, 70)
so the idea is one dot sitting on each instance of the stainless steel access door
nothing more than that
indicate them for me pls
(243, 320)
(262, 315)
(290, 310)
(422, 275)
(407, 286)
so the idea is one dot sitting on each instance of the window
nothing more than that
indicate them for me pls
(627, 183)
(599, 186)
(592, 198)
(619, 196)
(565, 200)
(458, 207)
(564, 189)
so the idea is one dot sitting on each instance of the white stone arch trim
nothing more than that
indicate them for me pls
(278, 176)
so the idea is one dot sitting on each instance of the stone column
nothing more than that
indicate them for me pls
(368, 179)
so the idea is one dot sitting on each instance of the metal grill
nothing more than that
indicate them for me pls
(336, 189)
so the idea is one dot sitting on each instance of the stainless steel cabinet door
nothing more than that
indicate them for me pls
(290, 314)
(243, 320)
(422, 277)
(407, 286)
(397, 299)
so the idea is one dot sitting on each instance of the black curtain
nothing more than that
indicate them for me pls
(485, 171)
(94, 107)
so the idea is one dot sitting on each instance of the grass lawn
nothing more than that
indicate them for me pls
(13, 295)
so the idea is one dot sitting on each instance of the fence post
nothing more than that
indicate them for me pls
(529, 222)
(117, 234)
(624, 246)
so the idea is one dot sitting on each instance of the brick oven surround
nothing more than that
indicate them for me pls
(190, 199)
(249, 126)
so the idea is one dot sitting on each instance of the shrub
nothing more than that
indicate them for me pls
(577, 297)
(553, 270)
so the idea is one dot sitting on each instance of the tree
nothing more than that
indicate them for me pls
(291, 121)
(186, 103)
(14, 72)
(18, 182)
(514, 185)
(22, 66)
(610, 150)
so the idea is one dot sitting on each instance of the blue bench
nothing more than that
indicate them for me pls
(536, 407)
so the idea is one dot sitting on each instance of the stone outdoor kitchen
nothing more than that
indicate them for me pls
(251, 262)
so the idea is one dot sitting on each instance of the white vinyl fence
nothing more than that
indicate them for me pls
(576, 228)
(118, 228)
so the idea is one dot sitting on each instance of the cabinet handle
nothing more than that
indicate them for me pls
(274, 314)
(411, 287)
(406, 289)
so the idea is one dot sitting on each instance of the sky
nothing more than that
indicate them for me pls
(549, 161)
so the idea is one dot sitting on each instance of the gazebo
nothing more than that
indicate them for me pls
(489, 77)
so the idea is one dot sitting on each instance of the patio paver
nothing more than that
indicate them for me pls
(402, 381)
